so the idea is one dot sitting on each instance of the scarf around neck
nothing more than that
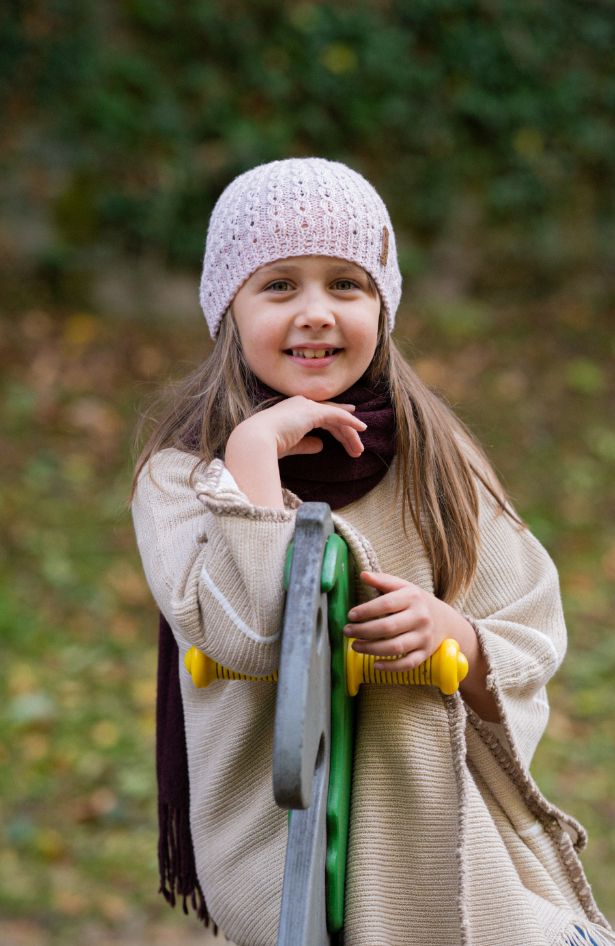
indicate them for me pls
(331, 476)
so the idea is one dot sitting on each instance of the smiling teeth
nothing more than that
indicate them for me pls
(312, 353)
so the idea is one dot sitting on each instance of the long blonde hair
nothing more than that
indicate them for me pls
(438, 458)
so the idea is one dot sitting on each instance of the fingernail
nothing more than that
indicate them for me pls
(352, 614)
(363, 425)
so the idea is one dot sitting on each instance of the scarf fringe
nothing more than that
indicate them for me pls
(177, 869)
(586, 935)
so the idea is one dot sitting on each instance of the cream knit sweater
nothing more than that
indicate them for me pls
(451, 840)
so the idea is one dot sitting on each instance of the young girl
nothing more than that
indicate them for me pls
(306, 397)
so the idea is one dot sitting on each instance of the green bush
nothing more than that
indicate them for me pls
(494, 120)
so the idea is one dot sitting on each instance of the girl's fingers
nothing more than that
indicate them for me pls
(345, 420)
(340, 415)
(295, 419)
(347, 434)
(338, 419)
(400, 646)
(383, 581)
(383, 629)
(306, 445)
(387, 604)
(350, 440)
(346, 407)
(408, 662)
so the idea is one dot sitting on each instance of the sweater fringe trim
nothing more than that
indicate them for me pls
(586, 935)
(552, 818)
(178, 878)
(549, 816)
(457, 721)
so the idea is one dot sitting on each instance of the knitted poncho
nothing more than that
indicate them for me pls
(451, 840)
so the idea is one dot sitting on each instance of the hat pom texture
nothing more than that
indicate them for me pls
(296, 207)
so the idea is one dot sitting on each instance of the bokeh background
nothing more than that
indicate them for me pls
(488, 127)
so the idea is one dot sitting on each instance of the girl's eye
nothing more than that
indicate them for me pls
(349, 282)
(278, 282)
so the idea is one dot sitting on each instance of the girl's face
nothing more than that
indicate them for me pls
(308, 325)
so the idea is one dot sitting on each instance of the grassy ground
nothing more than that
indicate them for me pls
(77, 624)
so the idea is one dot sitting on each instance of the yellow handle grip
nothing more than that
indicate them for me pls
(446, 668)
(204, 670)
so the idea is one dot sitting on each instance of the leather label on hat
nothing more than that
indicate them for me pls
(384, 252)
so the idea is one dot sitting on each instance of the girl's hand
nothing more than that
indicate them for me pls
(409, 624)
(290, 421)
(405, 622)
(255, 446)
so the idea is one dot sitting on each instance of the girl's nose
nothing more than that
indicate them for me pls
(315, 312)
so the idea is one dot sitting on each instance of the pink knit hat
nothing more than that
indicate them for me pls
(296, 207)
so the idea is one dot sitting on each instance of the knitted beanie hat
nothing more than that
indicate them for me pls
(296, 207)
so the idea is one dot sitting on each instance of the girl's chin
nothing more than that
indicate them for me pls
(316, 388)
(316, 391)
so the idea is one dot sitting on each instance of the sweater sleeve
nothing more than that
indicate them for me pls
(214, 562)
(515, 606)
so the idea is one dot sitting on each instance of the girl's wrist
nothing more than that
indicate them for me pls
(251, 457)
(473, 688)
(251, 440)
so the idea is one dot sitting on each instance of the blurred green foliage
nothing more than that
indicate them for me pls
(490, 120)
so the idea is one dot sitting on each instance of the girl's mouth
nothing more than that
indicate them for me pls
(313, 357)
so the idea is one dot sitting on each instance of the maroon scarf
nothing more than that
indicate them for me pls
(331, 476)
